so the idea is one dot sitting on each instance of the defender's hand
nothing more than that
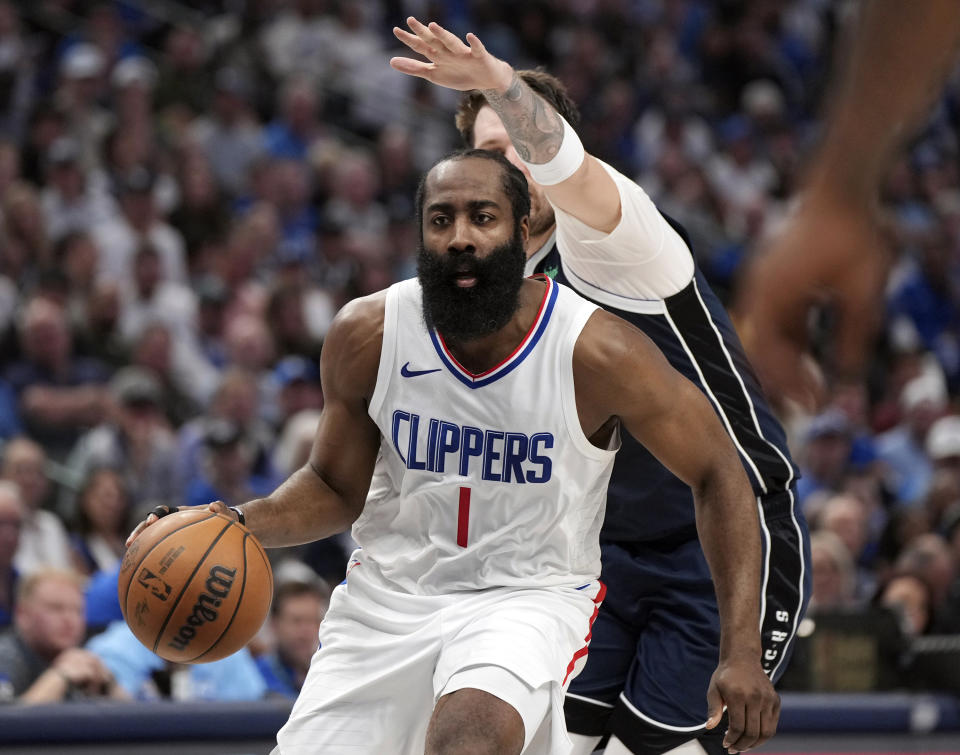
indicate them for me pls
(453, 64)
(753, 706)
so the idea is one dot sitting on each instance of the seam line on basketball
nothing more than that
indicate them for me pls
(176, 603)
(151, 550)
(236, 608)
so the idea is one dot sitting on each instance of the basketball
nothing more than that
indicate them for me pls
(195, 587)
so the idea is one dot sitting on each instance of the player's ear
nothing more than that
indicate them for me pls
(525, 229)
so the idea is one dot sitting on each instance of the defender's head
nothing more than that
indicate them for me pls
(481, 127)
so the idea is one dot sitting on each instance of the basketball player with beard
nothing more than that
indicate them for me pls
(471, 421)
(660, 649)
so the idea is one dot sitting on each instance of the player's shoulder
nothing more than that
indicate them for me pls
(353, 343)
(609, 342)
(359, 316)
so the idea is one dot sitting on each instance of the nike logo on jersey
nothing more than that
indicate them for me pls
(407, 372)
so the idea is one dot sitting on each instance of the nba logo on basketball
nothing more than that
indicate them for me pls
(155, 584)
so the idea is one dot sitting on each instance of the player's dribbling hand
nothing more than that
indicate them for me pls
(218, 507)
(753, 705)
(453, 64)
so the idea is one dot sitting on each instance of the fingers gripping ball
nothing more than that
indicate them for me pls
(195, 587)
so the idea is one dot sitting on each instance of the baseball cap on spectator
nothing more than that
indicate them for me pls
(831, 422)
(295, 368)
(221, 433)
(136, 386)
(927, 388)
(134, 70)
(82, 61)
(137, 180)
(943, 441)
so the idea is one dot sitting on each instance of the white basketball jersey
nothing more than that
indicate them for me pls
(482, 480)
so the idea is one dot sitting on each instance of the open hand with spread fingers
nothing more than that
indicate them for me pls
(453, 63)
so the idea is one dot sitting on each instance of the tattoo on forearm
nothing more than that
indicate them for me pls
(535, 128)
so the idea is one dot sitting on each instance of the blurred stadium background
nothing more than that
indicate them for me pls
(189, 192)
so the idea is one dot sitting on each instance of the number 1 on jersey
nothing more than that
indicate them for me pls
(463, 517)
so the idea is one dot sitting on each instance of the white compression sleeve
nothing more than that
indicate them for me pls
(564, 164)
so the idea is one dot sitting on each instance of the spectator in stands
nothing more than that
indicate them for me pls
(930, 558)
(119, 239)
(73, 200)
(41, 660)
(826, 454)
(136, 668)
(17, 71)
(228, 464)
(922, 400)
(76, 255)
(297, 381)
(153, 297)
(834, 573)
(98, 325)
(60, 394)
(202, 215)
(298, 128)
(846, 517)
(295, 616)
(187, 380)
(102, 522)
(287, 316)
(81, 79)
(230, 134)
(943, 449)
(12, 514)
(27, 248)
(135, 442)
(184, 81)
(237, 400)
(43, 538)
(910, 598)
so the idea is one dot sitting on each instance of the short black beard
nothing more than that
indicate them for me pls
(465, 314)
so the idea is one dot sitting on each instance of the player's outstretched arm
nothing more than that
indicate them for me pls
(829, 250)
(619, 372)
(327, 494)
(573, 180)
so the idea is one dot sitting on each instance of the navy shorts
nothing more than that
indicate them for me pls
(655, 642)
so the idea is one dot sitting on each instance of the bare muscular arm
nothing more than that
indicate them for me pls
(619, 372)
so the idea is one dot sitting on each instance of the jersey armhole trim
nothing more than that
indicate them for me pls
(568, 397)
(388, 349)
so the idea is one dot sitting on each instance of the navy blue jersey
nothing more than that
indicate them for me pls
(645, 500)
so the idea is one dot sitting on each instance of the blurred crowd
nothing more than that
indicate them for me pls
(190, 191)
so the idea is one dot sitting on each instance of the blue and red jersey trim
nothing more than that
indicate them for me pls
(529, 342)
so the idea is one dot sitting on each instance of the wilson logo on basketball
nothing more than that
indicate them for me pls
(218, 586)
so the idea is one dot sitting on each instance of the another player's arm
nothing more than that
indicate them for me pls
(535, 128)
(327, 494)
(830, 248)
(619, 372)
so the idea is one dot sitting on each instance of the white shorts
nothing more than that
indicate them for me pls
(387, 657)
